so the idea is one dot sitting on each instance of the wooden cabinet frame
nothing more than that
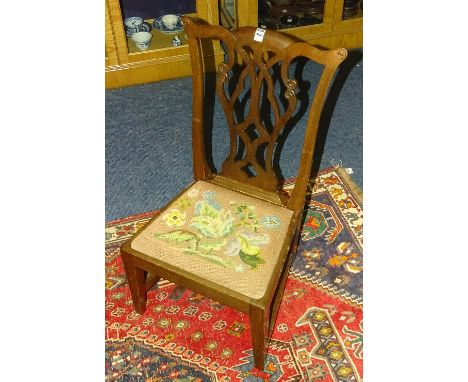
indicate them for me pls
(340, 24)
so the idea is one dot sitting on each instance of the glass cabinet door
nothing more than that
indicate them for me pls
(227, 13)
(285, 14)
(325, 23)
(152, 29)
(158, 21)
(147, 40)
(352, 9)
(297, 17)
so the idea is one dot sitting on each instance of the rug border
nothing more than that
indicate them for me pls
(351, 184)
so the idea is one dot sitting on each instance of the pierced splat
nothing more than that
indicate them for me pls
(258, 132)
(258, 99)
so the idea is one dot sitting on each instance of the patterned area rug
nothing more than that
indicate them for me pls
(183, 336)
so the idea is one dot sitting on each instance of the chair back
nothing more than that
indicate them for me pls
(260, 62)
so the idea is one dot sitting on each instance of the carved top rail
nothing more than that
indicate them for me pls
(264, 71)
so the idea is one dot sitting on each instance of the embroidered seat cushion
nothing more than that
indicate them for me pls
(222, 235)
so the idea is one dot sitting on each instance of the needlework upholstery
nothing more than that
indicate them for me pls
(225, 236)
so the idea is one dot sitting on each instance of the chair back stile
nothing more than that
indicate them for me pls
(252, 143)
(201, 169)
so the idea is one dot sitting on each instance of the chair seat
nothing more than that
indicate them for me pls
(225, 236)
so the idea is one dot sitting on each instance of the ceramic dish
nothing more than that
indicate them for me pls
(289, 21)
(130, 31)
(146, 27)
(159, 25)
(132, 22)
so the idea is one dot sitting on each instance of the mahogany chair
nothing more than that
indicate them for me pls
(230, 235)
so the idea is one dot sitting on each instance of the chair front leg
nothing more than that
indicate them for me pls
(259, 328)
(282, 284)
(136, 282)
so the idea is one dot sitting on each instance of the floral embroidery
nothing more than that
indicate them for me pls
(183, 204)
(174, 218)
(270, 221)
(209, 195)
(247, 216)
(227, 237)
(212, 221)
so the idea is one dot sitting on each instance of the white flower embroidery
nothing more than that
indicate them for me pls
(233, 247)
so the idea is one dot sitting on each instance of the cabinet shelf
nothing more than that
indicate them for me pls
(160, 41)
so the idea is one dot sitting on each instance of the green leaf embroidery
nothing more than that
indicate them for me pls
(177, 236)
(252, 260)
(219, 226)
(248, 248)
(208, 256)
(202, 208)
(210, 245)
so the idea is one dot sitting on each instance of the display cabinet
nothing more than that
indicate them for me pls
(126, 65)
(325, 23)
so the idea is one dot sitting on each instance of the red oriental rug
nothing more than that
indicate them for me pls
(185, 337)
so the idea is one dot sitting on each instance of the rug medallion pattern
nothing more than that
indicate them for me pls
(186, 337)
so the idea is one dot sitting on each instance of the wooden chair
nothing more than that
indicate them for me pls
(230, 235)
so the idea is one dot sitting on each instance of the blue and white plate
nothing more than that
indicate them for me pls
(159, 25)
(145, 27)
